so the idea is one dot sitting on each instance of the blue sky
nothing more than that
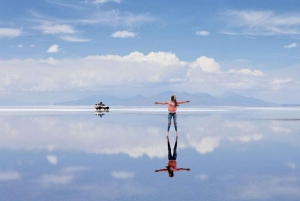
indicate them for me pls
(54, 49)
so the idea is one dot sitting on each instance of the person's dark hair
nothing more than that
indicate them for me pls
(173, 99)
(171, 173)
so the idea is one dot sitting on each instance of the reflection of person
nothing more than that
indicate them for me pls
(172, 164)
(172, 108)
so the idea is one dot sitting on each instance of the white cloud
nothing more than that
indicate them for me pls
(53, 49)
(206, 145)
(116, 18)
(290, 165)
(202, 177)
(106, 1)
(122, 174)
(291, 45)
(31, 46)
(206, 64)
(123, 34)
(10, 33)
(50, 28)
(261, 23)
(20, 45)
(52, 159)
(246, 71)
(203, 33)
(246, 138)
(279, 83)
(268, 188)
(74, 169)
(74, 39)
(50, 61)
(9, 175)
(136, 69)
(52, 179)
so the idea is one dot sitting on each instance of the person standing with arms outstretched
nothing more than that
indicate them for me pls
(172, 164)
(172, 108)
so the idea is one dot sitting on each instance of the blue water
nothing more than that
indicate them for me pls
(62, 153)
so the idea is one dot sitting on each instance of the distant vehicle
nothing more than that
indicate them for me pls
(100, 106)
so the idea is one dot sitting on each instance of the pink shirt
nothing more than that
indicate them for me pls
(172, 108)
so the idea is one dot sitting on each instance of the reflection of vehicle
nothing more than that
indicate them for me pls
(100, 106)
(101, 113)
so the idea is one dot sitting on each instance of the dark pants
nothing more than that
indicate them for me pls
(174, 116)
(174, 156)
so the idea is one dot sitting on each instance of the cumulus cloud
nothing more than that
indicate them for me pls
(251, 22)
(279, 83)
(9, 175)
(123, 34)
(203, 33)
(246, 71)
(20, 45)
(291, 45)
(31, 46)
(135, 69)
(52, 159)
(9, 32)
(206, 64)
(122, 174)
(53, 49)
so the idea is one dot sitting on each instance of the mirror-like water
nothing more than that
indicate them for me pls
(75, 154)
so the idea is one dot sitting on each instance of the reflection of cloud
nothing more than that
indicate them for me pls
(122, 174)
(9, 175)
(277, 128)
(290, 165)
(202, 33)
(119, 190)
(246, 138)
(267, 187)
(74, 169)
(291, 45)
(52, 159)
(206, 145)
(123, 135)
(52, 179)
(202, 177)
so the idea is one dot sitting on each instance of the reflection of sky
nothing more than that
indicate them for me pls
(233, 153)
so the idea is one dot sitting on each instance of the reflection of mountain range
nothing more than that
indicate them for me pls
(199, 99)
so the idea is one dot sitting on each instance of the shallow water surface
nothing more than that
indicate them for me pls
(234, 153)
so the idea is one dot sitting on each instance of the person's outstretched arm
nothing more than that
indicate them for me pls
(181, 102)
(162, 103)
(161, 170)
(179, 169)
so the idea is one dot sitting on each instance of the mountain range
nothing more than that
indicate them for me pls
(197, 99)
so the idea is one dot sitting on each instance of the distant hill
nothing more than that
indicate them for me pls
(197, 99)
